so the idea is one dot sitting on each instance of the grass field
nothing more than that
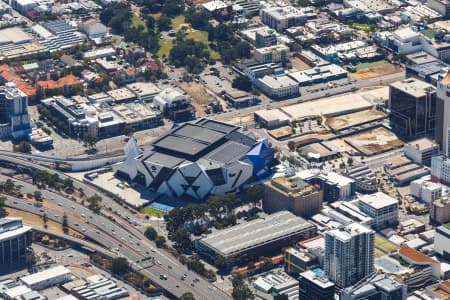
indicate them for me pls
(360, 26)
(156, 16)
(370, 65)
(428, 33)
(178, 22)
(152, 212)
(384, 245)
(136, 22)
(202, 36)
(164, 47)
(379, 253)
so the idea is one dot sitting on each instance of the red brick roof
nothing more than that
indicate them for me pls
(415, 255)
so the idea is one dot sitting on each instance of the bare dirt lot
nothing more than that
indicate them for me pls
(353, 119)
(37, 222)
(281, 132)
(196, 91)
(299, 64)
(374, 141)
(339, 145)
(376, 71)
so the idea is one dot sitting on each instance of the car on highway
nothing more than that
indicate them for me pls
(158, 262)
(162, 276)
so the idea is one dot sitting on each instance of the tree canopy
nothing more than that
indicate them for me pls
(117, 15)
(242, 83)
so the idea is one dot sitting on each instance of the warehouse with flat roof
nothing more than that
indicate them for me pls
(47, 278)
(250, 240)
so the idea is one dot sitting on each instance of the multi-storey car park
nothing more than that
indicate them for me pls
(250, 240)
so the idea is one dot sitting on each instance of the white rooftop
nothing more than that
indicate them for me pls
(351, 230)
(405, 33)
(45, 275)
(321, 281)
(214, 5)
(17, 291)
(331, 176)
(378, 200)
(14, 35)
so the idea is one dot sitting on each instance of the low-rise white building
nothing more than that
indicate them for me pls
(442, 241)
(144, 91)
(272, 54)
(278, 86)
(381, 207)
(426, 191)
(47, 278)
(401, 41)
(440, 169)
(334, 186)
(318, 75)
(281, 18)
(420, 151)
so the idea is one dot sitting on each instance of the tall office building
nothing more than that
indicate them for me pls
(15, 239)
(443, 113)
(349, 254)
(14, 118)
(413, 108)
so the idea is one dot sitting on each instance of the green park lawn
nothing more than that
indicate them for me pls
(178, 21)
(164, 47)
(136, 22)
(428, 33)
(202, 36)
(361, 26)
(153, 212)
(370, 65)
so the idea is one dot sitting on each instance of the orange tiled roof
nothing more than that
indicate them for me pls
(416, 255)
(68, 80)
(51, 84)
(446, 79)
(47, 84)
(130, 72)
(8, 75)
(4, 67)
(26, 88)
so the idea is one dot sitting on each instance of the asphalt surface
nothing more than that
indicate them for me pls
(120, 237)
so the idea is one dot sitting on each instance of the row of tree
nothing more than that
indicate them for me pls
(216, 207)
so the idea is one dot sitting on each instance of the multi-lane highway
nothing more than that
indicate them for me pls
(120, 237)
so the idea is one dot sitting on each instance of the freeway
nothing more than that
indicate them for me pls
(119, 237)
(308, 96)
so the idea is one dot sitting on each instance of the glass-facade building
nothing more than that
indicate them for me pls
(413, 108)
(15, 241)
